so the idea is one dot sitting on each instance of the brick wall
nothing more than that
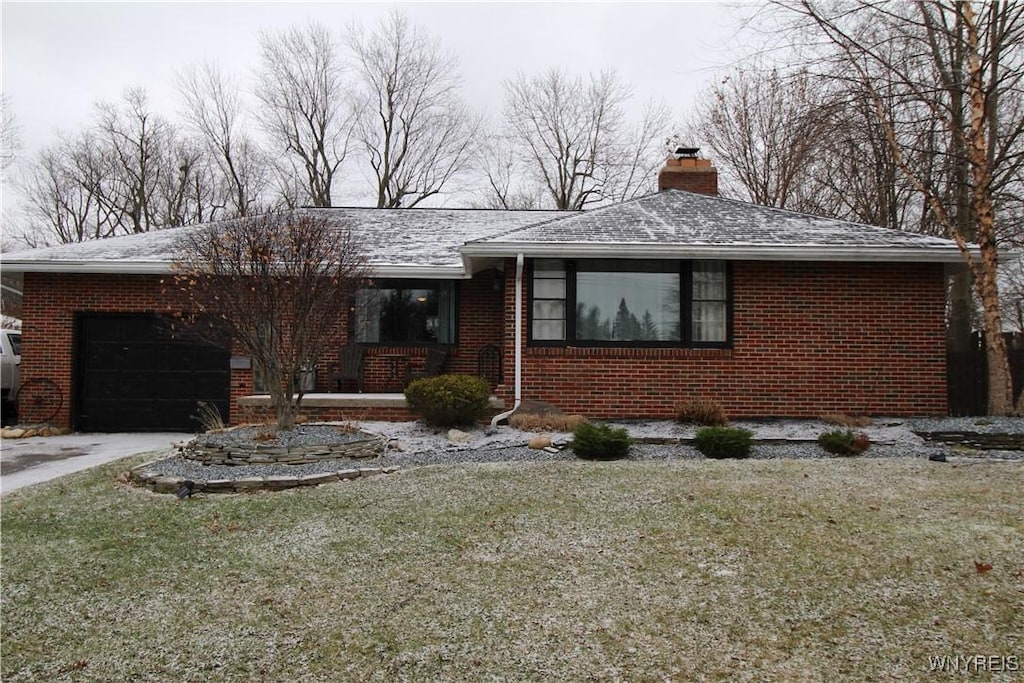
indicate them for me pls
(53, 299)
(810, 338)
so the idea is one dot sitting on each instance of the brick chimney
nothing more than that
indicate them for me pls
(683, 170)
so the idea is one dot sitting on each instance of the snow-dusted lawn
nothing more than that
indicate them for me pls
(848, 569)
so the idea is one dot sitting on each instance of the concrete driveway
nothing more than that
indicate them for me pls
(24, 462)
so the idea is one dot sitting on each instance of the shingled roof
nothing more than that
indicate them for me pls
(444, 243)
(678, 224)
(397, 242)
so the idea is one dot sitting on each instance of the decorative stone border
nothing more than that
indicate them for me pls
(260, 454)
(29, 431)
(161, 483)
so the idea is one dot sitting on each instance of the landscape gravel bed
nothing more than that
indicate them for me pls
(187, 469)
(423, 449)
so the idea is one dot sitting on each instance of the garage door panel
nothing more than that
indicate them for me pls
(138, 356)
(132, 375)
(174, 357)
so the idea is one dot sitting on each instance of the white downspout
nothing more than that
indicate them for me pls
(519, 344)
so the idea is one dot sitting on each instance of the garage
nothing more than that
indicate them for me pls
(134, 374)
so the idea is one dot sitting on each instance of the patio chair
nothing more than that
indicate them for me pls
(488, 364)
(433, 366)
(350, 366)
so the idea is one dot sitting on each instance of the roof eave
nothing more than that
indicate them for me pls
(89, 267)
(164, 267)
(726, 252)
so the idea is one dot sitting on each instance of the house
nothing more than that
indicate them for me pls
(624, 311)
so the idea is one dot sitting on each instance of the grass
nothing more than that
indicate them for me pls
(672, 570)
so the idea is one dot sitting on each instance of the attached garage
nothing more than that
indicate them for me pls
(133, 374)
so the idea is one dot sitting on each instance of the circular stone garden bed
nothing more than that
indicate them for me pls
(306, 444)
(257, 457)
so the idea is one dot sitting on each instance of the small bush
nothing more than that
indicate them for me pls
(449, 400)
(844, 420)
(529, 422)
(844, 442)
(702, 412)
(600, 442)
(723, 442)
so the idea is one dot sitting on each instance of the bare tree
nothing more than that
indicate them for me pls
(416, 131)
(956, 66)
(803, 141)
(278, 285)
(213, 108)
(505, 185)
(137, 142)
(762, 128)
(573, 137)
(127, 173)
(10, 134)
(64, 193)
(303, 105)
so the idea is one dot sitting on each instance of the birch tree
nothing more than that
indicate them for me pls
(955, 61)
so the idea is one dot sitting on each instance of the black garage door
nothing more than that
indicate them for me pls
(133, 374)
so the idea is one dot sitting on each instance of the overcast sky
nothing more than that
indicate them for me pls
(60, 58)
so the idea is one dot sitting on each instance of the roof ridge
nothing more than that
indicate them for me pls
(422, 208)
(569, 213)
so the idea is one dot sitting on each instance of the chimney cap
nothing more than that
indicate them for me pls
(686, 152)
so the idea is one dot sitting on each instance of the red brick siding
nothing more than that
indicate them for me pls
(52, 300)
(810, 338)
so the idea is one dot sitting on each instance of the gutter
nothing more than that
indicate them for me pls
(519, 344)
(127, 267)
(740, 252)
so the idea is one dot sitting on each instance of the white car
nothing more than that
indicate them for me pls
(10, 373)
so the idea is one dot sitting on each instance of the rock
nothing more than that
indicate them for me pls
(459, 436)
(14, 433)
(397, 446)
(539, 442)
(937, 457)
(167, 484)
(29, 433)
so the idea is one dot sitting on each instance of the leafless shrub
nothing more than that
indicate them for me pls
(529, 422)
(844, 420)
(702, 411)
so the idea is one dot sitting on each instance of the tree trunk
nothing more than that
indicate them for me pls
(1000, 382)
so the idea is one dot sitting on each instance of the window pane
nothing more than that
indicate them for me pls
(548, 268)
(549, 330)
(709, 281)
(549, 310)
(709, 321)
(406, 312)
(549, 289)
(627, 306)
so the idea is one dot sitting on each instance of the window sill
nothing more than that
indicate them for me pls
(628, 352)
